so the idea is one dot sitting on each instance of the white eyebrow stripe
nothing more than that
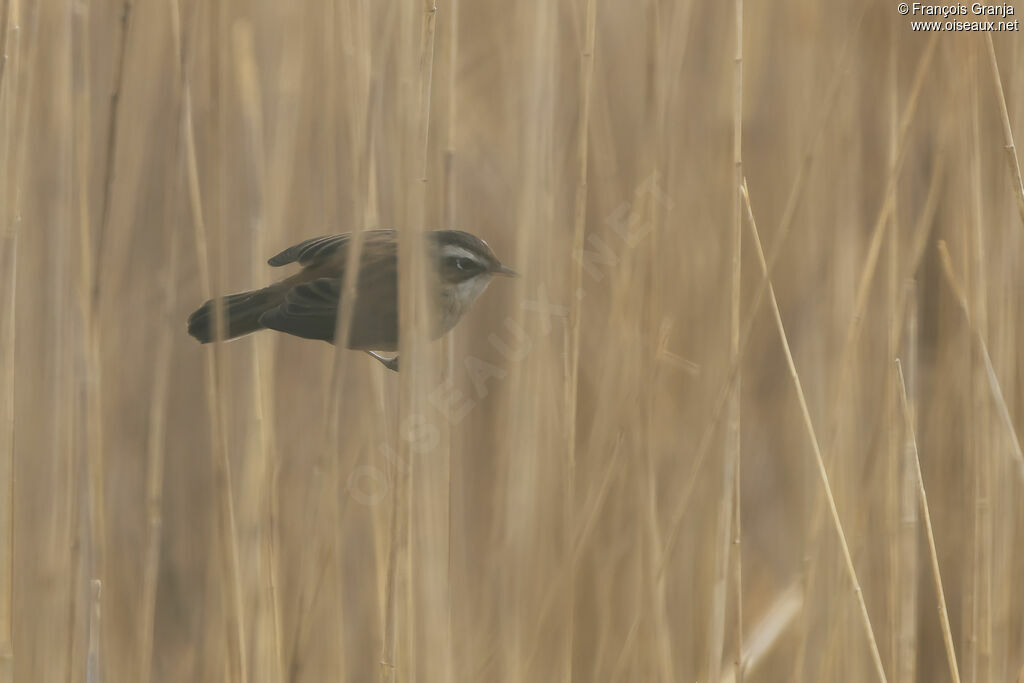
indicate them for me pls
(455, 251)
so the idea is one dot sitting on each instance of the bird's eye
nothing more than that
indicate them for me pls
(461, 264)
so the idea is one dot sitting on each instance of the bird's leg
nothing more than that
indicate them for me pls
(389, 363)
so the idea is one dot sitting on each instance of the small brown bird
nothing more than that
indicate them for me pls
(306, 304)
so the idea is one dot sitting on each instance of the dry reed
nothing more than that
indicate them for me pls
(533, 497)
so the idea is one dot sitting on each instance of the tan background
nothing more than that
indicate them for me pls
(457, 522)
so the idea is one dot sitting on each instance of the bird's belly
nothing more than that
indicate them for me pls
(377, 330)
(375, 327)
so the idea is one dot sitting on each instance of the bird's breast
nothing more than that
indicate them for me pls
(455, 300)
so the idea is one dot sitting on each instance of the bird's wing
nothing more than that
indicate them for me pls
(319, 250)
(309, 310)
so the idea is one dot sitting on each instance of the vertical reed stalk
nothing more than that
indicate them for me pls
(155, 452)
(737, 519)
(892, 480)
(420, 645)
(79, 68)
(448, 213)
(451, 139)
(981, 426)
(257, 500)
(732, 447)
(585, 92)
(237, 662)
(94, 665)
(14, 113)
(90, 274)
(909, 518)
(8, 272)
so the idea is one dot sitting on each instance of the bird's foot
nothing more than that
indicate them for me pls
(389, 363)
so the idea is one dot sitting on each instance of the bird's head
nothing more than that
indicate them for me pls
(462, 257)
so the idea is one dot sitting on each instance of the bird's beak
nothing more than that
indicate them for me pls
(506, 271)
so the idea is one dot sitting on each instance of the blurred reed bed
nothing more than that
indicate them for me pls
(679, 447)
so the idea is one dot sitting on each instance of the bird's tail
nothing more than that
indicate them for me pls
(241, 314)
